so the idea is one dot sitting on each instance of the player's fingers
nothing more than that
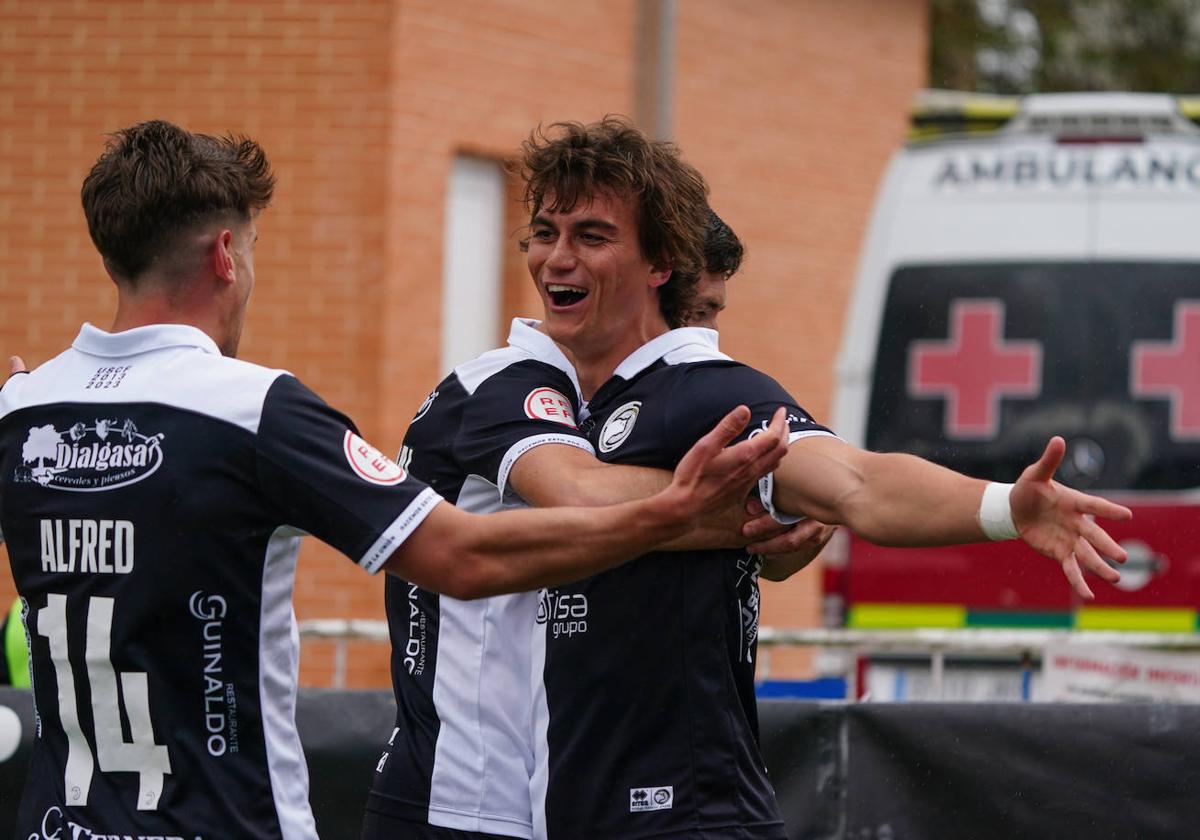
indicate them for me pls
(1071, 569)
(1097, 506)
(754, 507)
(764, 528)
(772, 453)
(1103, 542)
(1086, 554)
(16, 365)
(809, 536)
(731, 426)
(778, 425)
(1043, 468)
(777, 432)
(710, 447)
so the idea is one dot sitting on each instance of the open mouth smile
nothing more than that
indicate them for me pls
(562, 295)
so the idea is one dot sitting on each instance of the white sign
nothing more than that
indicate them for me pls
(1113, 675)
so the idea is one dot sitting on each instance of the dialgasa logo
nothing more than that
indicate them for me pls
(89, 458)
(619, 426)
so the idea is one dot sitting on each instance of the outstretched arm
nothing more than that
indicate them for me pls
(902, 500)
(555, 474)
(469, 556)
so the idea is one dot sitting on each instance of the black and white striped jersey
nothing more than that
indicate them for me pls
(461, 754)
(153, 495)
(645, 716)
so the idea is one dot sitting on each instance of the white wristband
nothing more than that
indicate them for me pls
(995, 513)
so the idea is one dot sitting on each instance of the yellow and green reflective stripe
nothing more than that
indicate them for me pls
(1009, 619)
(903, 616)
(1154, 620)
(895, 616)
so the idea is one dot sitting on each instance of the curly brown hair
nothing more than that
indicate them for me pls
(723, 250)
(155, 180)
(571, 162)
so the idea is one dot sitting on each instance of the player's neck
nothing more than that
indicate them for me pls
(151, 309)
(595, 364)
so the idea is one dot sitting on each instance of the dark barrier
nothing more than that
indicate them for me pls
(981, 771)
(864, 772)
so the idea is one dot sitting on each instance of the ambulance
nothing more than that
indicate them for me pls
(1032, 269)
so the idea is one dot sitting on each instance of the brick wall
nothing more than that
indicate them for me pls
(790, 108)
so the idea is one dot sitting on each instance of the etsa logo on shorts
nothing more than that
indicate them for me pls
(651, 799)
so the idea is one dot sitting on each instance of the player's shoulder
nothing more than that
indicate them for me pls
(723, 374)
(231, 390)
(510, 367)
(170, 366)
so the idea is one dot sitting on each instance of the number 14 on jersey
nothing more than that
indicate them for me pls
(114, 754)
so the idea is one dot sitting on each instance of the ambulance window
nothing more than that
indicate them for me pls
(979, 364)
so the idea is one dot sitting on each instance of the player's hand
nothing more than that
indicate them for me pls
(713, 474)
(1057, 521)
(784, 552)
(736, 524)
(16, 365)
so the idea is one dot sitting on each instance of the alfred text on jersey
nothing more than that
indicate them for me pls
(101, 546)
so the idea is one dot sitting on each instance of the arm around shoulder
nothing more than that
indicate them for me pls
(552, 475)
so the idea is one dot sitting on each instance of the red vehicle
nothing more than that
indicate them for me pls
(1032, 269)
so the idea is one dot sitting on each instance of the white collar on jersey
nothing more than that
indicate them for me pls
(525, 335)
(686, 344)
(97, 342)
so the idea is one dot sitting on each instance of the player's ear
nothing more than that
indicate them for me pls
(221, 256)
(660, 274)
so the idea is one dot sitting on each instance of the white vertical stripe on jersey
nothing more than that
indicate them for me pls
(540, 779)
(481, 758)
(279, 662)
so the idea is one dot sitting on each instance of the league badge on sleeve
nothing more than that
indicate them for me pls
(548, 404)
(369, 463)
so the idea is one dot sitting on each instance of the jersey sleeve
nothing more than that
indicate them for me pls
(329, 482)
(524, 406)
(707, 392)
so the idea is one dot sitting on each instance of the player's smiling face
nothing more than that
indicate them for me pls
(598, 289)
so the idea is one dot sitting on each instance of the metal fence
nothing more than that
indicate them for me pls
(937, 644)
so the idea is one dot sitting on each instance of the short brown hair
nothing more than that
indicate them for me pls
(156, 180)
(573, 162)
(723, 251)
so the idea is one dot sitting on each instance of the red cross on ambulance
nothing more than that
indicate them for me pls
(1171, 369)
(974, 368)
